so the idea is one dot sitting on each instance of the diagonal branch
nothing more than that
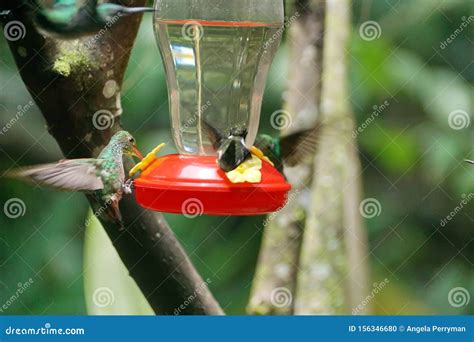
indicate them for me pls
(71, 81)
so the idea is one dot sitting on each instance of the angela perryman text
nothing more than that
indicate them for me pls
(418, 329)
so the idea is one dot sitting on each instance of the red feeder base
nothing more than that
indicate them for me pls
(194, 185)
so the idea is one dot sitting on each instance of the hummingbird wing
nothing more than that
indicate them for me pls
(68, 174)
(215, 137)
(297, 146)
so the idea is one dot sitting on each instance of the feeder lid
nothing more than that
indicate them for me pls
(195, 185)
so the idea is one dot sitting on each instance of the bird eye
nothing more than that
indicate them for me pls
(131, 140)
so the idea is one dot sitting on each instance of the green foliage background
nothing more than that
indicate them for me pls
(412, 164)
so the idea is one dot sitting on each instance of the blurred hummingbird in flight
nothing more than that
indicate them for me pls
(103, 176)
(287, 150)
(66, 19)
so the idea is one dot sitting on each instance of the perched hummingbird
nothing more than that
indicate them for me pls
(103, 176)
(289, 150)
(67, 20)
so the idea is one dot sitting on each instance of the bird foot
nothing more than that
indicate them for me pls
(128, 186)
(5, 13)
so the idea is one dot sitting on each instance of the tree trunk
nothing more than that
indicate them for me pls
(333, 273)
(274, 283)
(71, 81)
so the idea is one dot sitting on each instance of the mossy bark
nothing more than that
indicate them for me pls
(70, 81)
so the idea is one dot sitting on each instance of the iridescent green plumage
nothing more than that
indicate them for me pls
(103, 176)
(287, 150)
(290, 149)
(71, 19)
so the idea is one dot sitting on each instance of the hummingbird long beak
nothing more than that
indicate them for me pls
(137, 153)
(469, 161)
(133, 10)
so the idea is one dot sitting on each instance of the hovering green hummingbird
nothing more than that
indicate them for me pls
(68, 20)
(103, 176)
(288, 150)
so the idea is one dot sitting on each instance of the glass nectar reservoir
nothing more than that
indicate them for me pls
(216, 55)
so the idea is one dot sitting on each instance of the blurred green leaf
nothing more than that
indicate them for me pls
(109, 290)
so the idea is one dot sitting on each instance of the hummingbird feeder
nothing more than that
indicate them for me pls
(216, 56)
